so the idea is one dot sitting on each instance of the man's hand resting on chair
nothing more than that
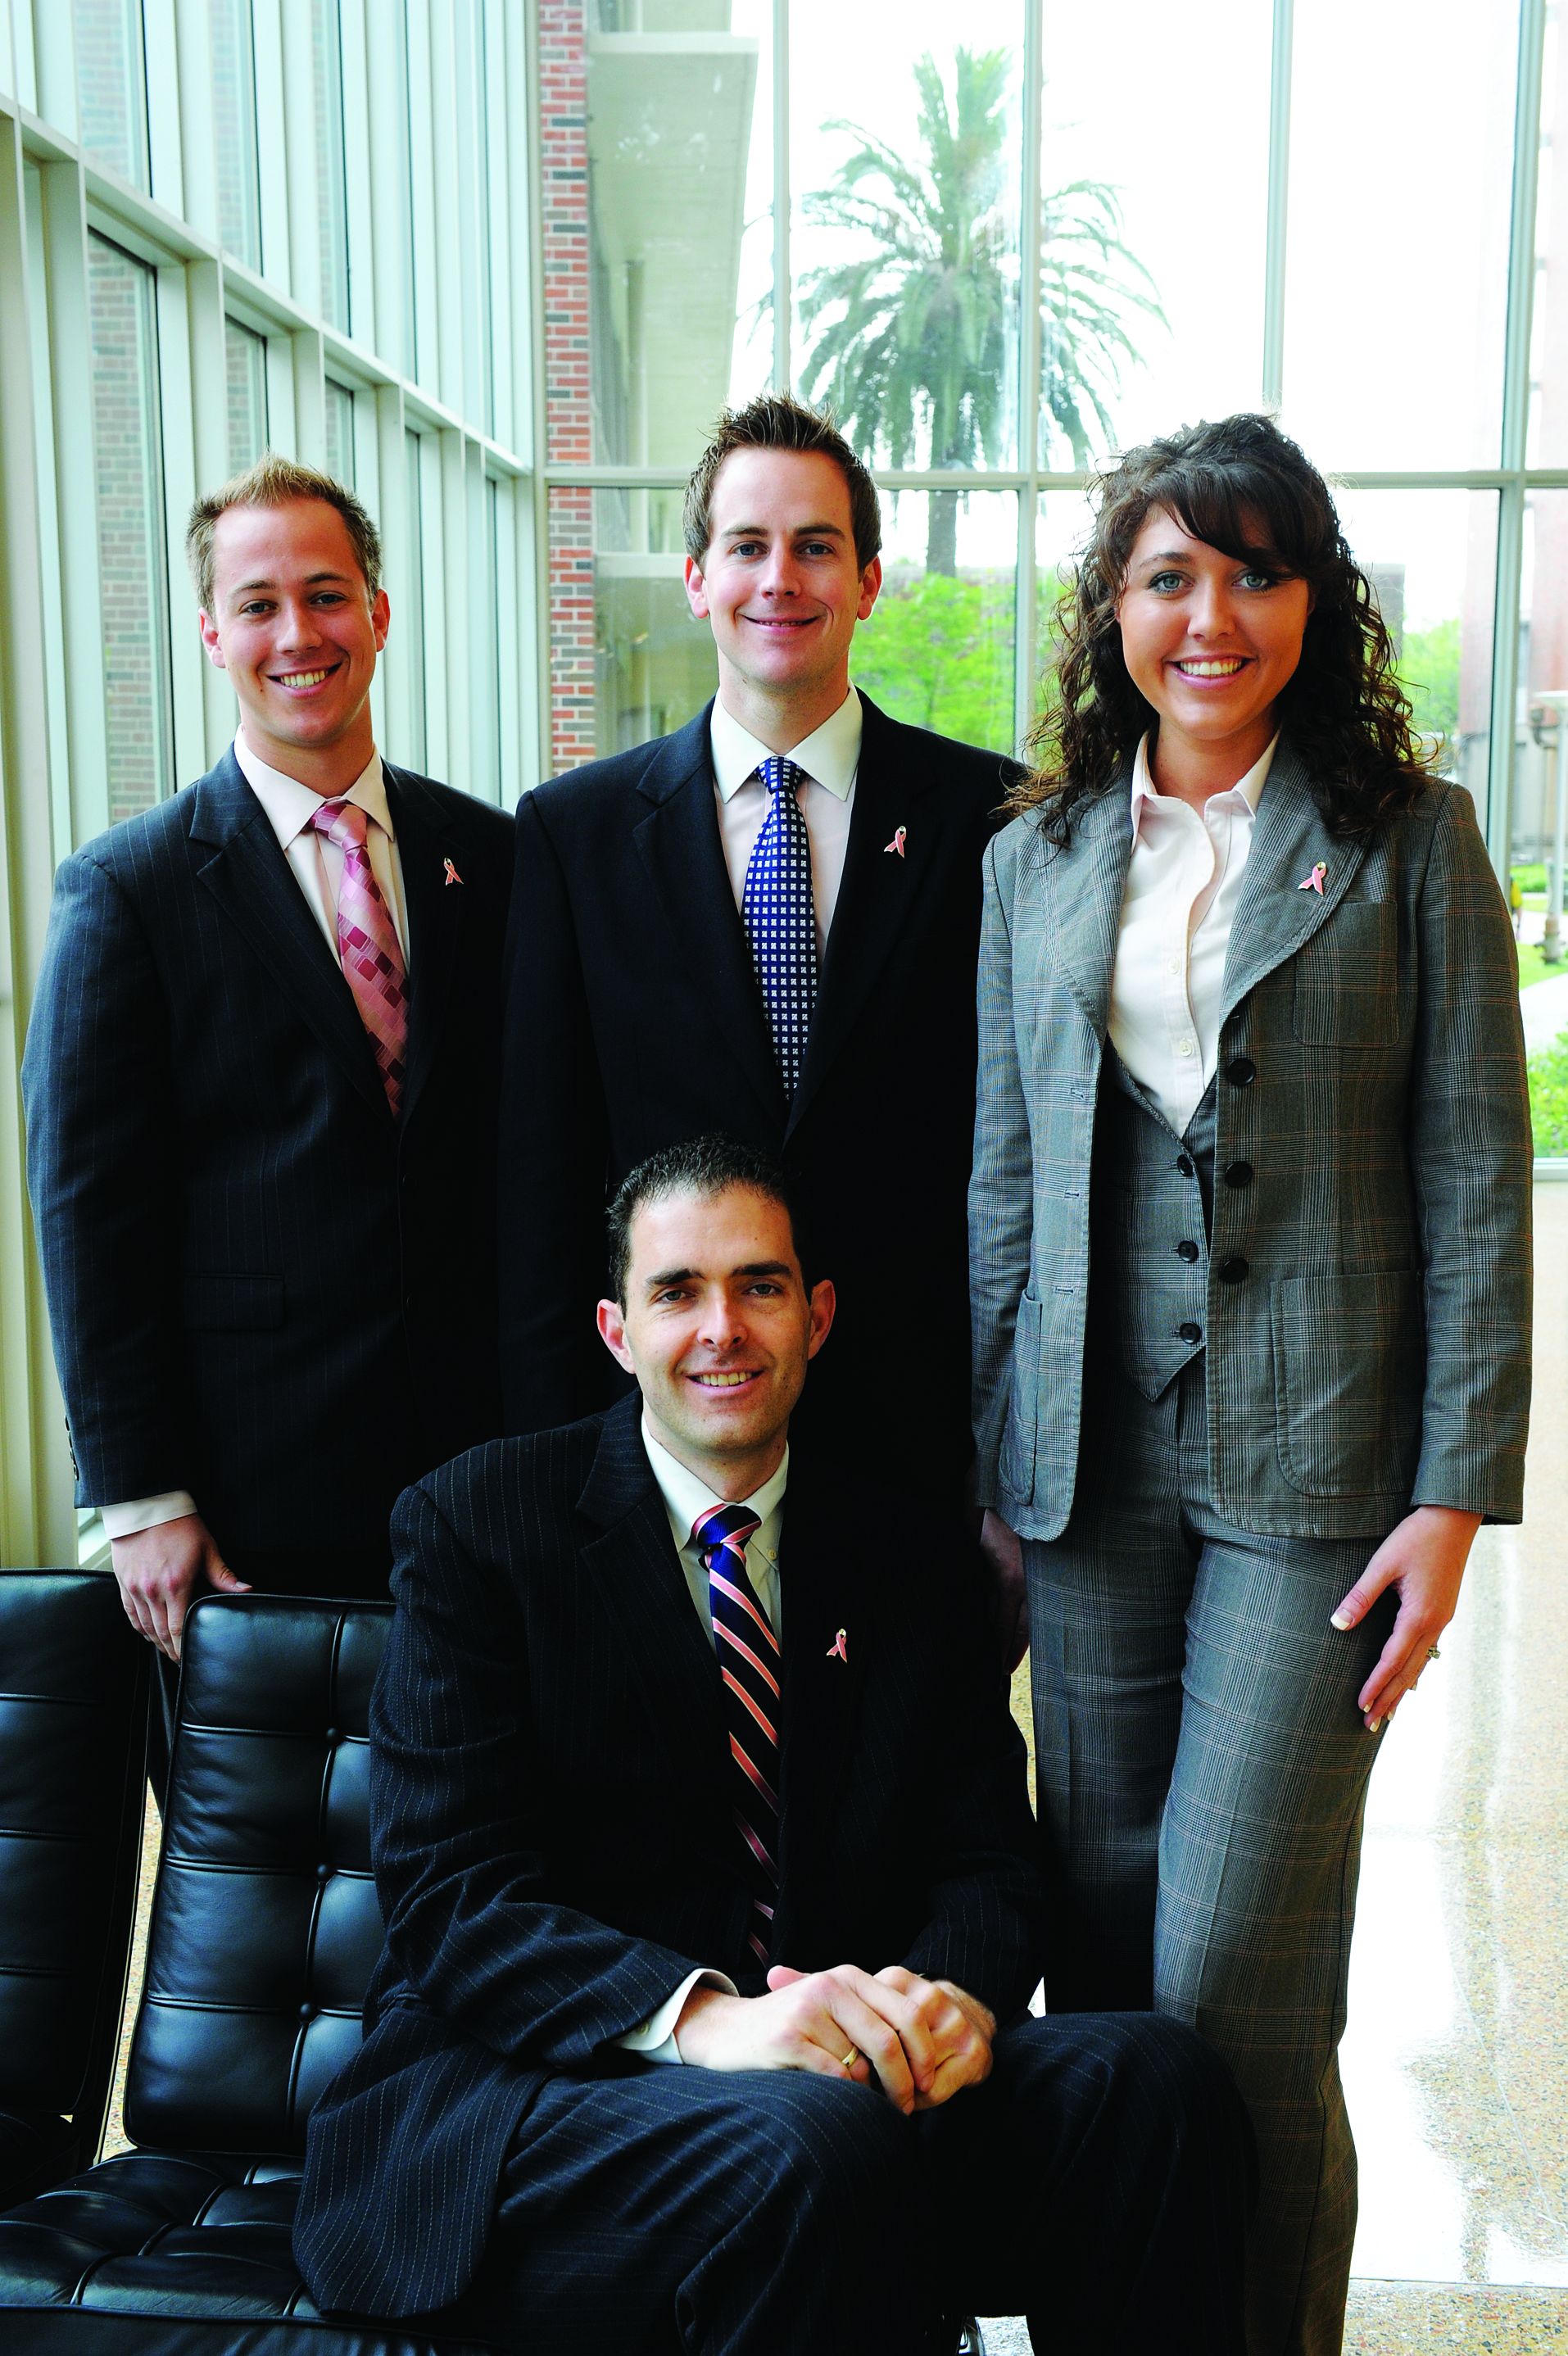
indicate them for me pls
(921, 2039)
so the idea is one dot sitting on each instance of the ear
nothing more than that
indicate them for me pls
(612, 1334)
(825, 1302)
(381, 618)
(696, 589)
(210, 640)
(870, 588)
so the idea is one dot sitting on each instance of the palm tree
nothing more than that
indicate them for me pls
(913, 337)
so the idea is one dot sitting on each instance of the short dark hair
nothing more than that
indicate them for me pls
(702, 1165)
(277, 482)
(776, 421)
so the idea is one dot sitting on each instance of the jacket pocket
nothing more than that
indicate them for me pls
(1349, 1368)
(230, 1304)
(1346, 979)
(1019, 1438)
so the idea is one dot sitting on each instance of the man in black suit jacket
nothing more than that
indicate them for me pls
(868, 2131)
(635, 1016)
(269, 1266)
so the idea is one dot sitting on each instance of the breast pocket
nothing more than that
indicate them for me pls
(1347, 978)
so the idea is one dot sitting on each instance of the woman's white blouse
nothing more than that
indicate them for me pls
(1184, 879)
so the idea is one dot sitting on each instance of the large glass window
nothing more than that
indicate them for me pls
(245, 356)
(131, 550)
(234, 130)
(331, 176)
(112, 85)
(938, 648)
(339, 432)
(412, 636)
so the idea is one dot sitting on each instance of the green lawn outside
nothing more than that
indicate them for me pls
(1533, 966)
(1549, 1099)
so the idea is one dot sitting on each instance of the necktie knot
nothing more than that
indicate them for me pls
(343, 823)
(779, 774)
(724, 1528)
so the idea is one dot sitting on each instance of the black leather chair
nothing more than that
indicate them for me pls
(265, 1927)
(73, 1706)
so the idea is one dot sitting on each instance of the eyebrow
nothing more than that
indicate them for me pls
(243, 588)
(800, 532)
(747, 1267)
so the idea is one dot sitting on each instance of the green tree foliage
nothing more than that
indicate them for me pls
(913, 335)
(938, 651)
(1549, 1099)
(1429, 674)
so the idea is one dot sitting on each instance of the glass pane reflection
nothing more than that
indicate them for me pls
(112, 86)
(245, 356)
(234, 130)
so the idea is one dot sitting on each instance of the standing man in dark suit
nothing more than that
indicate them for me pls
(684, 1754)
(765, 924)
(261, 1095)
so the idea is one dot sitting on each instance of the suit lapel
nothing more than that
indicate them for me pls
(1275, 916)
(428, 835)
(645, 1595)
(1084, 883)
(249, 877)
(825, 1593)
(880, 889)
(678, 842)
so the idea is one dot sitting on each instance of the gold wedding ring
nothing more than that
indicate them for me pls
(850, 2059)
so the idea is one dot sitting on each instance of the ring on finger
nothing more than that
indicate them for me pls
(848, 2061)
(1433, 1654)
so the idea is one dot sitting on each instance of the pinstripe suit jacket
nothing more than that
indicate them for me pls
(550, 1826)
(1375, 1354)
(261, 1288)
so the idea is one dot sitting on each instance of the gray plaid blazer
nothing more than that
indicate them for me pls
(1376, 1356)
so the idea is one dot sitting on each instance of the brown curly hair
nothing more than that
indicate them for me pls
(1244, 487)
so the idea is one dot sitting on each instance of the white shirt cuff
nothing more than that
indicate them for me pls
(123, 1521)
(655, 2038)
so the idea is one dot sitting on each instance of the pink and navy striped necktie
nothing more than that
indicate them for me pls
(748, 1659)
(368, 945)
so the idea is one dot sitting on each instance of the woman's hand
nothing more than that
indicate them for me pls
(1004, 1553)
(1423, 1558)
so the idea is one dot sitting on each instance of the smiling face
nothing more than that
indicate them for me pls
(298, 632)
(782, 588)
(1210, 641)
(717, 1327)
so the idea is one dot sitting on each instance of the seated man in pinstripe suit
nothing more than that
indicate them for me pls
(703, 1842)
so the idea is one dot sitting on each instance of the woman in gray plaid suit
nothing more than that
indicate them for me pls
(1251, 1275)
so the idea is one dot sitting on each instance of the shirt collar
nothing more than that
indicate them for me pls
(830, 755)
(686, 1495)
(1248, 789)
(290, 806)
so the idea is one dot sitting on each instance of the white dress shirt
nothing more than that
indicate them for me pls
(317, 866)
(685, 1497)
(830, 756)
(1183, 880)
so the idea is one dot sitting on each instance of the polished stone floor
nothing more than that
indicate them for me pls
(1456, 2057)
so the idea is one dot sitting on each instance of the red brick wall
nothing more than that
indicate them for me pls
(569, 435)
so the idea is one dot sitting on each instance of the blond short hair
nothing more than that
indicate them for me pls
(277, 482)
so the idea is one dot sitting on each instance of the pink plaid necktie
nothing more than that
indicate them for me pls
(368, 945)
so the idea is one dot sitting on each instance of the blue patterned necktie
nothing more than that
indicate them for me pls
(747, 1652)
(780, 923)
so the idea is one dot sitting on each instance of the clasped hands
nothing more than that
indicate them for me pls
(921, 2040)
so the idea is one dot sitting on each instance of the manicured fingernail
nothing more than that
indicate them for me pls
(1340, 1619)
(1373, 1724)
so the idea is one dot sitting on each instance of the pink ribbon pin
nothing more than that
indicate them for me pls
(839, 1650)
(900, 836)
(452, 875)
(1313, 882)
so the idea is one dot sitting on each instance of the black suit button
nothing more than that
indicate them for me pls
(324, 1873)
(1238, 1174)
(1189, 1331)
(1187, 1250)
(1183, 1165)
(1241, 1071)
(307, 2012)
(1233, 1269)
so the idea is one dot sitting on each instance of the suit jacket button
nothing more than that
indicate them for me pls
(1184, 1166)
(1189, 1331)
(1233, 1269)
(1241, 1071)
(1186, 1250)
(1238, 1174)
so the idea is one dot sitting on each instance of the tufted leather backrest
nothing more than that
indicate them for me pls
(74, 1686)
(265, 1923)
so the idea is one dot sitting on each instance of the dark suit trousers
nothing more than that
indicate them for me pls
(1098, 2183)
(359, 1573)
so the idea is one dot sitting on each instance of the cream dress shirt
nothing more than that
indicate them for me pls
(830, 756)
(1183, 880)
(686, 1496)
(317, 866)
